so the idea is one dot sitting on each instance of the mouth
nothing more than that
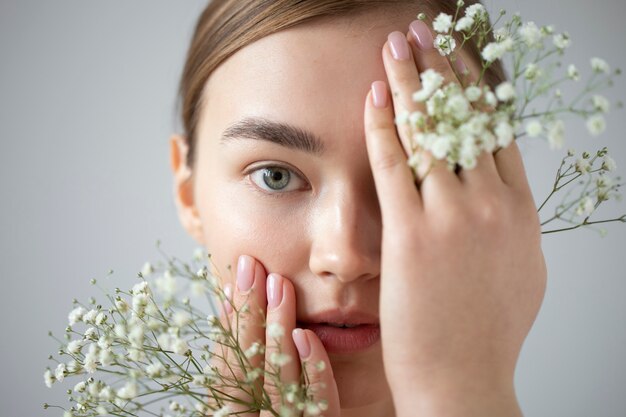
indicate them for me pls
(344, 338)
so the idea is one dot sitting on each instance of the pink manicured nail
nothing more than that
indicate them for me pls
(460, 66)
(399, 46)
(379, 94)
(245, 273)
(228, 291)
(302, 342)
(422, 35)
(274, 290)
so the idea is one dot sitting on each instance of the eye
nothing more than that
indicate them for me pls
(275, 179)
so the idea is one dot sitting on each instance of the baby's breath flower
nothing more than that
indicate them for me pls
(253, 374)
(80, 387)
(431, 81)
(155, 369)
(140, 287)
(493, 51)
(500, 34)
(464, 24)
(442, 23)
(561, 40)
(490, 98)
(48, 378)
(128, 391)
(473, 93)
(252, 350)
(279, 359)
(572, 72)
(147, 269)
(608, 164)
(121, 305)
(585, 206)
(531, 34)
(166, 285)
(445, 44)
(312, 409)
(582, 165)
(476, 11)
(74, 346)
(534, 128)
(532, 72)
(504, 133)
(106, 357)
(600, 103)
(556, 134)
(222, 412)
(600, 65)
(90, 316)
(198, 254)
(181, 318)
(76, 315)
(505, 91)
(179, 346)
(320, 366)
(596, 124)
(59, 372)
(275, 330)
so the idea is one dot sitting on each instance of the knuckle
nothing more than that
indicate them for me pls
(489, 211)
(378, 127)
(388, 161)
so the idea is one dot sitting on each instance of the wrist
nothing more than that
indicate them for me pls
(458, 398)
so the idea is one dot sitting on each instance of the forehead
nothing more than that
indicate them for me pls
(315, 75)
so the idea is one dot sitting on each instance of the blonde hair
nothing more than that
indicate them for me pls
(226, 26)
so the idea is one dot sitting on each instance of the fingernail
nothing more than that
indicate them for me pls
(245, 273)
(460, 65)
(228, 291)
(399, 46)
(421, 34)
(274, 290)
(302, 343)
(379, 94)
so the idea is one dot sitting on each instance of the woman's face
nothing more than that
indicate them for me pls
(315, 219)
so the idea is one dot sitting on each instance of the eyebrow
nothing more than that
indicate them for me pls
(283, 134)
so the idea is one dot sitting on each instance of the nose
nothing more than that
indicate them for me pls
(346, 235)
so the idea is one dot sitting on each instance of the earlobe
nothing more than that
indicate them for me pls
(183, 188)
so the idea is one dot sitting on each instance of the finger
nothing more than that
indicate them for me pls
(247, 324)
(318, 374)
(281, 320)
(403, 81)
(462, 71)
(404, 78)
(510, 166)
(395, 184)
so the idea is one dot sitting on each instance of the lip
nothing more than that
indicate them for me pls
(343, 340)
(338, 340)
(338, 315)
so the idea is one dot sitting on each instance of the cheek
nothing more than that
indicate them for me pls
(237, 221)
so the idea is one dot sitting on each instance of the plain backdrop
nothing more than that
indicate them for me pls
(87, 95)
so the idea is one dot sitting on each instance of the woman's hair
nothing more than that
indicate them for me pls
(226, 26)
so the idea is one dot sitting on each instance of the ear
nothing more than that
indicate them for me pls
(183, 188)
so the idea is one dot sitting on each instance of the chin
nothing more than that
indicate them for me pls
(360, 379)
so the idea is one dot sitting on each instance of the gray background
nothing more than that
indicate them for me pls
(87, 93)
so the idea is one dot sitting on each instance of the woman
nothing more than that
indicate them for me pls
(291, 165)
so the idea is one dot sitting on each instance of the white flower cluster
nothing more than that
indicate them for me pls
(457, 124)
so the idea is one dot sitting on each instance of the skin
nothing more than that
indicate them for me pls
(353, 230)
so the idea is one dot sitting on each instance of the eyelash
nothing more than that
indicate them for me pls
(275, 193)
